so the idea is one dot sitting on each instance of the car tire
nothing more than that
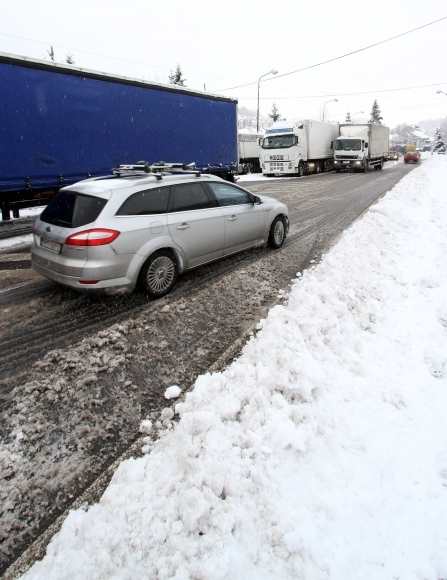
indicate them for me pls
(277, 233)
(159, 274)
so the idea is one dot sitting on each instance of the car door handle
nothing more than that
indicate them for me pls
(232, 218)
(184, 226)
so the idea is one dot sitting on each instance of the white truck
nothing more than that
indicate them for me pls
(361, 147)
(297, 147)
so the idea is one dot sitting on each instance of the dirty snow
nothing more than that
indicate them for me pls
(322, 451)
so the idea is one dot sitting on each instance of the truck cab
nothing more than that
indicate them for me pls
(350, 153)
(282, 148)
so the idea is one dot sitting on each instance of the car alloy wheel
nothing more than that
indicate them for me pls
(277, 233)
(159, 274)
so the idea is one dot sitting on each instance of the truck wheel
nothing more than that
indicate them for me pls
(159, 274)
(366, 167)
(301, 169)
(277, 233)
(317, 167)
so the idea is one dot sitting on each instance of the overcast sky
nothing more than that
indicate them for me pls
(221, 45)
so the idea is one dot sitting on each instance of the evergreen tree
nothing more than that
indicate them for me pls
(176, 77)
(375, 118)
(275, 114)
(69, 58)
(443, 130)
(438, 141)
(51, 53)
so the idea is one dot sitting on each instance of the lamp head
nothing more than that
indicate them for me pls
(273, 71)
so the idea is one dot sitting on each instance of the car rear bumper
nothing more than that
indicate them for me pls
(110, 286)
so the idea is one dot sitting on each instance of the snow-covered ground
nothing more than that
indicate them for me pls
(322, 451)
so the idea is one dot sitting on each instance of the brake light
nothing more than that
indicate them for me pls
(95, 237)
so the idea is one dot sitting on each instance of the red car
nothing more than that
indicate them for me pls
(412, 157)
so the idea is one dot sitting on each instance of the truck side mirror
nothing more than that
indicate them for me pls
(332, 144)
(366, 144)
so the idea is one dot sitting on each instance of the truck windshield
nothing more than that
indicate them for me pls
(278, 142)
(348, 145)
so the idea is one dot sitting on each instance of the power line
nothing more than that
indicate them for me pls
(346, 94)
(336, 58)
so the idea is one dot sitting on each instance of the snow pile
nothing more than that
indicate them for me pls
(321, 452)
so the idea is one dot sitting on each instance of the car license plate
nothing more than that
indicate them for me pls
(50, 245)
(346, 162)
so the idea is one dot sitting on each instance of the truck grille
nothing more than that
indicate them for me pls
(346, 157)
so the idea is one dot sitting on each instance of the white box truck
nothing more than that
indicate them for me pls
(298, 147)
(361, 147)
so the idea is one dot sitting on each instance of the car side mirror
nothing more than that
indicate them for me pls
(256, 200)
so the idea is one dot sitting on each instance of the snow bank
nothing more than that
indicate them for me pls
(321, 452)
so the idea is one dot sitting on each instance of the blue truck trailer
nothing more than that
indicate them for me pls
(60, 124)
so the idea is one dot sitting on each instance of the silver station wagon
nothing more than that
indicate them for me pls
(145, 225)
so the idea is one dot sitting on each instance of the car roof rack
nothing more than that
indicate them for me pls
(157, 169)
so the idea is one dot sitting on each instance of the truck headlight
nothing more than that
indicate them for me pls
(335, 162)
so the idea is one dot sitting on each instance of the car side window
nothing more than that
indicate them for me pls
(189, 196)
(149, 201)
(228, 194)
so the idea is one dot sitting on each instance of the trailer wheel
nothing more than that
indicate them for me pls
(301, 169)
(380, 166)
(159, 274)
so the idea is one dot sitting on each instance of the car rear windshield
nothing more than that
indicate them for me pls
(70, 209)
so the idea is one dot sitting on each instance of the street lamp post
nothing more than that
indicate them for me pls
(335, 100)
(271, 72)
(358, 113)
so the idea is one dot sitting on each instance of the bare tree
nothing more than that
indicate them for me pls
(51, 53)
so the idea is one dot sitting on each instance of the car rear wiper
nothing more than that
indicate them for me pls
(61, 223)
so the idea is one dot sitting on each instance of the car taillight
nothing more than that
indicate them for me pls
(95, 237)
